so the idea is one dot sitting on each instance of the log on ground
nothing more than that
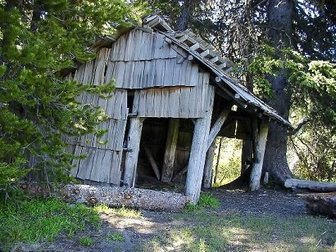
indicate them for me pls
(129, 197)
(322, 203)
(310, 185)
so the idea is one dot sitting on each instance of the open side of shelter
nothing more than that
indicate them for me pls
(173, 97)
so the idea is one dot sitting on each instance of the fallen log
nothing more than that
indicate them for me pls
(310, 185)
(121, 196)
(322, 203)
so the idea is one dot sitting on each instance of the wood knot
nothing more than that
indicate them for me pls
(92, 201)
(76, 191)
(127, 196)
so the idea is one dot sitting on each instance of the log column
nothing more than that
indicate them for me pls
(132, 155)
(260, 146)
(197, 155)
(169, 157)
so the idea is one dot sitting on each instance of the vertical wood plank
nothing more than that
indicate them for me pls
(169, 157)
(131, 157)
(259, 155)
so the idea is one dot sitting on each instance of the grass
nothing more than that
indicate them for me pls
(202, 231)
(122, 211)
(43, 220)
(116, 236)
(86, 241)
(206, 200)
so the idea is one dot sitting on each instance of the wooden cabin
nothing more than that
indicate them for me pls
(173, 97)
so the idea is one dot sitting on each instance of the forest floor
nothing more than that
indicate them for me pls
(266, 220)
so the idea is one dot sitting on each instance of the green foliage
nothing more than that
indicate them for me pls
(37, 105)
(86, 241)
(116, 236)
(43, 220)
(206, 200)
(312, 84)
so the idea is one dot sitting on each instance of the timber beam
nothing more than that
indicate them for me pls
(260, 138)
(218, 125)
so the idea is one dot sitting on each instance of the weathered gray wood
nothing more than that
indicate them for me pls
(152, 162)
(208, 171)
(198, 152)
(169, 157)
(259, 155)
(131, 157)
(218, 125)
(311, 185)
(128, 197)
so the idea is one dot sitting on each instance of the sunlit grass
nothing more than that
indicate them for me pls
(122, 211)
(233, 232)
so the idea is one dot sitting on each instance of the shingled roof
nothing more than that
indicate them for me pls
(206, 56)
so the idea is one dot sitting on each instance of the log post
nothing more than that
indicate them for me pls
(133, 143)
(260, 146)
(246, 158)
(197, 155)
(207, 178)
(169, 157)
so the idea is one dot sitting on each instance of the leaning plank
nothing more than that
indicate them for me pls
(122, 196)
(218, 125)
(311, 185)
(322, 203)
(152, 162)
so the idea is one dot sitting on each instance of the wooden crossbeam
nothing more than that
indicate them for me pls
(195, 46)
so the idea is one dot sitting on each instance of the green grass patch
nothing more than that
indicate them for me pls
(116, 236)
(43, 220)
(86, 241)
(122, 211)
(203, 231)
(206, 200)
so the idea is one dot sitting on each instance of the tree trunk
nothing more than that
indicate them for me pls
(186, 13)
(280, 17)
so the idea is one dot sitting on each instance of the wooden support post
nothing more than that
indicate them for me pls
(133, 143)
(152, 162)
(198, 153)
(207, 178)
(169, 157)
(246, 158)
(218, 125)
(260, 146)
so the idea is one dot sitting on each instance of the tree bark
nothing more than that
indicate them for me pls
(186, 13)
(280, 19)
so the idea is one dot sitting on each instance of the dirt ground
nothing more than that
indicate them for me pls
(136, 231)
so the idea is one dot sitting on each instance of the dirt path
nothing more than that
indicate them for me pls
(135, 231)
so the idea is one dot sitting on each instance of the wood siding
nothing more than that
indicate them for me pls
(179, 102)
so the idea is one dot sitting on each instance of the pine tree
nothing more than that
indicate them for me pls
(38, 40)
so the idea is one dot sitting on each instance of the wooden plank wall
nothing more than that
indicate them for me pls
(141, 59)
(104, 155)
(174, 102)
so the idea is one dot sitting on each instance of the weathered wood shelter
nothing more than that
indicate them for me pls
(173, 97)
